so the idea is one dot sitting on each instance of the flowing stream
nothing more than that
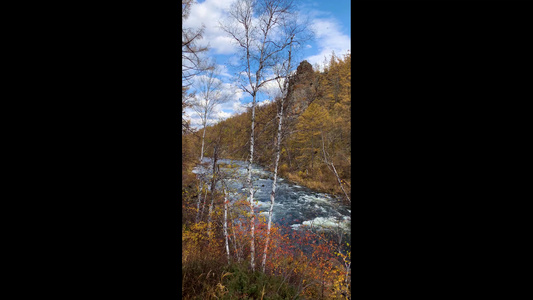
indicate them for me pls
(294, 205)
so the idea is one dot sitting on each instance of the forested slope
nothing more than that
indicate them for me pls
(316, 139)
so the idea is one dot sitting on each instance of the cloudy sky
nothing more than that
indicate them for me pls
(330, 22)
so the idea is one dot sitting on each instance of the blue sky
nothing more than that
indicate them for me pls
(330, 21)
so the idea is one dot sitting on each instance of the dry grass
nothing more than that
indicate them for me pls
(323, 186)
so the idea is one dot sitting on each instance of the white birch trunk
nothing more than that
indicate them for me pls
(213, 184)
(231, 239)
(203, 204)
(256, 42)
(332, 168)
(236, 244)
(340, 182)
(347, 275)
(278, 151)
(199, 200)
(226, 224)
(203, 140)
(209, 218)
(273, 193)
(251, 186)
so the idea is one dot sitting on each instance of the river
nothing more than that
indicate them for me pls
(294, 205)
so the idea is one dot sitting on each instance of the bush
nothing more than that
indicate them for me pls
(255, 285)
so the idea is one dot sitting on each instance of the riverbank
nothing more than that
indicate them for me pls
(316, 181)
(316, 185)
(222, 267)
(320, 180)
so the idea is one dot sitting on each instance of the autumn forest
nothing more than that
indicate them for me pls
(302, 136)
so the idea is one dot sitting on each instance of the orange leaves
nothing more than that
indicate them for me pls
(307, 260)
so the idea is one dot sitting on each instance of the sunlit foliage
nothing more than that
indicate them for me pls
(317, 128)
(306, 263)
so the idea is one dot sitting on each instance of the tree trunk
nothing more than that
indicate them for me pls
(213, 185)
(250, 185)
(347, 275)
(226, 224)
(340, 182)
(236, 246)
(205, 200)
(258, 43)
(273, 193)
(199, 200)
(203, 140)
(278, 151)
(332, 168)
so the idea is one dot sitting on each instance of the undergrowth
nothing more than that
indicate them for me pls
(211, 280)
(302, 264)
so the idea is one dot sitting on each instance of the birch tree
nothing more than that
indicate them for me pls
(216, 174)
(283, 73)
(331, 166)
(191, 52)
(258, 29)
(209, 94)
(226, 201)
(236, 244)
(214, 180)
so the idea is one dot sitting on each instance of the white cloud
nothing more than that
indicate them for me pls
(209, 13)
(224, 71)
(239, 107)
(271, 88)
(264, 102)
(223, 115)
(221, 111)
(329, 37)
(196, 121)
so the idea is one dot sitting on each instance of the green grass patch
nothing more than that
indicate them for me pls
(210, 280)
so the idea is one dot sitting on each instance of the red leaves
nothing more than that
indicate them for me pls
(295, 254)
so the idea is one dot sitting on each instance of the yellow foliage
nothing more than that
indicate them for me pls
(195, 238)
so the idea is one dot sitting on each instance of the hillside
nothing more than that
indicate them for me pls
(316, 139)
